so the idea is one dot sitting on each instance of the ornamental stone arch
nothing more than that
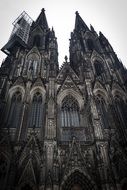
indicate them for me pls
(119, 93)
(101, 92)
(74, 94)
(120, 103)
(32, 63)
(28, 170)
(33, 53)
(96, 56)
(77, 180)
(97, 59)
(15, 89)
(102, 106)
(37, 89)
(89, 35)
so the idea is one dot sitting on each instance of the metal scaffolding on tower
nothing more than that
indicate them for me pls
(22, 26)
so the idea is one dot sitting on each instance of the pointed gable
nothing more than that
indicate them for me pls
(31, 146)
(98, 85)
(79, 23)
(99, 89)
(34, 51)
(75, 158)
(37, 30)
(42, 20)
(28, 174)
(19, 82)
(67, 70)
(69, 84)
(39, 83)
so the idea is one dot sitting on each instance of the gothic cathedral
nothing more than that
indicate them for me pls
(62, 128)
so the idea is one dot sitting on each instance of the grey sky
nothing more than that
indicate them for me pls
(108, 16)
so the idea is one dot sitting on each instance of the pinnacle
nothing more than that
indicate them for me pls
(79, 23)
(42, 20)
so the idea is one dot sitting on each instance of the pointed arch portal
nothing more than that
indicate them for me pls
(78, 181)
(26, 187)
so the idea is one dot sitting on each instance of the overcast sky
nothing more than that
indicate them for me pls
(108, 16)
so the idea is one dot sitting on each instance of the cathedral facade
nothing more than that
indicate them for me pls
(62, 128)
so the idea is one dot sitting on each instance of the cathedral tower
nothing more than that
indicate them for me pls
(62, 128)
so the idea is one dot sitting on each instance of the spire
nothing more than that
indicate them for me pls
(92, 28)
(79, 23)
(52, 33)
(42, 20)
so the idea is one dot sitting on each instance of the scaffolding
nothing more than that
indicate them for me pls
(22, 27)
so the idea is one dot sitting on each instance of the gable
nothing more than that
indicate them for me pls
(68, 84)
(67, 70)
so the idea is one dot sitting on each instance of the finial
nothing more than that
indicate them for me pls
(92, 28)
(66, 58)
(43, 10)
(77, 13)
(52, 29)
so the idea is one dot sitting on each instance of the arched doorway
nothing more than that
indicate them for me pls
(26, 187)
(78, 181)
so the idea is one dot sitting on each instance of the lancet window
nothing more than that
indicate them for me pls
(37, 41)
(121, 108)
(70, 116)
(15, 113)
(31, 66)
(36, 111)
(98, 68)
(102, 111)
(90, 44)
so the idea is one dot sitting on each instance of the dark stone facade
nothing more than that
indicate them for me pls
(62, 128)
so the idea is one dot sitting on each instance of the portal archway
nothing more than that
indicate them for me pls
(26, 187)
(78, 181)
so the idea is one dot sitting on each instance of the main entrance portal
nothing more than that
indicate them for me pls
(78, 181)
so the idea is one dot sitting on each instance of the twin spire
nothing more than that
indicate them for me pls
(42, 21)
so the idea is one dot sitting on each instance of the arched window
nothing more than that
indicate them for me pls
(70, 116)
(102, 111)
(90, 44)
(15, 112)
(121, 108)
(98, 68)
(31, 65)
(37, 41)
(36, 111)
(77, 181)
